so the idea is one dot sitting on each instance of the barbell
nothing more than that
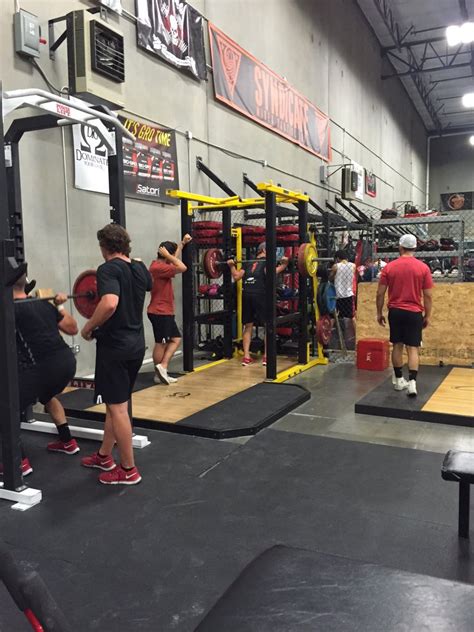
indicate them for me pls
(306, 260)
(84, 294)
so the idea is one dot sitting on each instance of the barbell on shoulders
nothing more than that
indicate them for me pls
(84, 294)
(307, 261)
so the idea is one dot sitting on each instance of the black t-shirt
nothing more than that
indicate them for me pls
(129, 281)
(254, 278)
(37, 334)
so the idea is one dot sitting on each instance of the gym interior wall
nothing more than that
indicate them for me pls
(330, 55)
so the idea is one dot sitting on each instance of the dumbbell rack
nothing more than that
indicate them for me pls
(419, 222)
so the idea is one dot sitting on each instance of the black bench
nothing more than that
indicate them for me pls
(459, 467)
(293, 590)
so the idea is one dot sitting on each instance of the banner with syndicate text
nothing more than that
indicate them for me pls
(150, 163)
(172, 29)
(245, 84)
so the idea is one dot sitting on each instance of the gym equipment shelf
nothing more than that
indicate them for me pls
(435, 254)
(427, 219)
(420, 223)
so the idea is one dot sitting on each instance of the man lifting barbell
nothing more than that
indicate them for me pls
(46, 364)
(253, 296)
(117, 324)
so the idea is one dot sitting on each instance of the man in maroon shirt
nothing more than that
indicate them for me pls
(407, 279)
(161, 310)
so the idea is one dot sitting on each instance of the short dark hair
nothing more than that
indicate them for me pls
(341, 254)
(171, 247)
(114, 238)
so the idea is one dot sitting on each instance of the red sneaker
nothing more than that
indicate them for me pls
(70, 447)
(247, 361)
(264, 361)
(26, 467)
(119, 476)
(105, 463)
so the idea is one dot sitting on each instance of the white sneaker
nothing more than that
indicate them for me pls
(162, 375)
(157, 379)
(399, 383)
(412, 392)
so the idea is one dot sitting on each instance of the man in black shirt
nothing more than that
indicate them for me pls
(253, 296)
(46, 364)
(117, 324)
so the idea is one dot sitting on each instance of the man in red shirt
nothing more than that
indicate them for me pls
(161, 310)
(407, 279)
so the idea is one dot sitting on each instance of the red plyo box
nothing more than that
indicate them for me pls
(373, 354)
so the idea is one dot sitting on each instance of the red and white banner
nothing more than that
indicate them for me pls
(245, 84)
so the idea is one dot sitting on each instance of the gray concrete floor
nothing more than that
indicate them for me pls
(330, 413)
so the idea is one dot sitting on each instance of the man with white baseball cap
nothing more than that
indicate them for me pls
(409, 285)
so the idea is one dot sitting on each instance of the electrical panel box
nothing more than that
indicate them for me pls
(27, 34)
(96, 59)
(352, 186)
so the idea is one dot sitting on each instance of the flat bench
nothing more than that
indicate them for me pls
(459, 467)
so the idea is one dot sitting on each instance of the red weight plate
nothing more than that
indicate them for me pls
(250, 240)
(207, 225)
(324, 328)
(212, 259)
(302, 260)
(253, 230)
(86, 297)
(284, 331)
(287, 238)
(211, 232)
(287, 228)
(207, 241)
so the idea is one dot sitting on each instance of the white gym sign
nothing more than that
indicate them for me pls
(90, 160)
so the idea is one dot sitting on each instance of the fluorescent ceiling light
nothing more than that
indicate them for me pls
(468, 100)
(460, 34)
(471, 140)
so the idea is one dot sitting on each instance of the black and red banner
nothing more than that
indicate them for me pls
(245, 84)
(150, 163)
(458, 201)
(172, 29)
(370, 184)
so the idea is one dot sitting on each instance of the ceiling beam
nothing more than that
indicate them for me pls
(463, 9)
(419, 71)
(385, 11)
(410, 44)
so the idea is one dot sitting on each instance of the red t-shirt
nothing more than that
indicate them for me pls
(406, 279)
(162, 295)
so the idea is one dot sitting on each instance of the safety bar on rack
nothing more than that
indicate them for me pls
(21, 97)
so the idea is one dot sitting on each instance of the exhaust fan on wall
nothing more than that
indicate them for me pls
(96, 59)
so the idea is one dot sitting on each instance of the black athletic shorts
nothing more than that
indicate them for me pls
(345, 307)
(405, 327)
(164, 328)
(47, 378)
(115, 374)
(253, 308)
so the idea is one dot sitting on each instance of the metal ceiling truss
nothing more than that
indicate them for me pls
(415, 69)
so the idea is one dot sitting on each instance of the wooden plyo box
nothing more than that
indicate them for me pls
(450, 336)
